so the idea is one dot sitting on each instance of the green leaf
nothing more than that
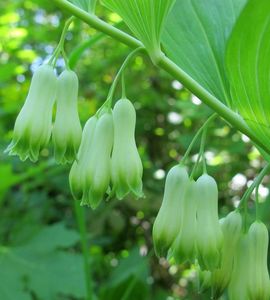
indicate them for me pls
(195, 38)
(87, 5)
(145, 18)
(128, 279)
(248, 66)
(42, 268)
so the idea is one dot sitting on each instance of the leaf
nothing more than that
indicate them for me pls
(248, 67)
(87, 5)
(145, 18)
(195, 38)
(128, 279)
(40, 267)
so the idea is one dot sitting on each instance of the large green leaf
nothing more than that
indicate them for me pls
(42, 267)
(87, 5)
(145, 19)
(195, 38)
(248, 66)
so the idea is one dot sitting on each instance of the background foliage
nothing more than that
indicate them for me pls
(40, 252)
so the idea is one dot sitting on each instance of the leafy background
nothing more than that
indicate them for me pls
(40, 251)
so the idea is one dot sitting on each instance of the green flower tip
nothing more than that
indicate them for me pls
(67, 129)
(32, 129)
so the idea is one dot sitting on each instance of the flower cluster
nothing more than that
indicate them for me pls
(195, 231)
(108, 154)
(33, 126)
(187, 228)
(104, 156)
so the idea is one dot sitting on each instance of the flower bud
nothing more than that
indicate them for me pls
(126, 165)
(184, 246)
(33, 125)
(208, 235)
(168, 221)
(231, 227)
(67, 131)
(97, 174)
(258, 277)
(77, 174)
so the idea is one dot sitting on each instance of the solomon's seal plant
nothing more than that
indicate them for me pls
(218, 62)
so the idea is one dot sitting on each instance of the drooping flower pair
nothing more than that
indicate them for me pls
(187, 223)
(108, 159)
(33, 126)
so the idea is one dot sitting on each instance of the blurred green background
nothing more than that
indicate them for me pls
(40, 248)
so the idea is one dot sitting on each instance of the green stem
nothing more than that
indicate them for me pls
(201, 153)
(98, 24)
(166, 64)
(124, 94)
(257, 202)
(60, 46)
(123, 67)
(80, 216)
(208, 121)
(108, 102)
(204, 135)
(255, 183)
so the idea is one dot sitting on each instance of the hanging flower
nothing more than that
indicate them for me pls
(258, 277)
(98, 168)
(33, 125)
(77, 175)
(184, 246)
(237, 289)
(126, 165)
(90, 176)
(231, 227)
(250, 278)
(67, 129)
(209, 235)
(169, 219)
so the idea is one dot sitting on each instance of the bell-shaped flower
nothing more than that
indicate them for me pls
(184, 246)
(145, 18)
(258, 277)
(67, 130)
(231, 227)
(209, 235)
(250, 278)
(98, 169)
(126, 165)
(33, 125)
(77, 175)
(238, 287)
(168, 221)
